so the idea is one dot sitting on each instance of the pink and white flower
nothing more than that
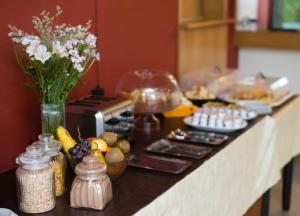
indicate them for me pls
(91, 40)
(58, 49)
(42, 54)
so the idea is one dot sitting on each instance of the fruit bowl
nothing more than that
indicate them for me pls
(108, 149)
(114, 170)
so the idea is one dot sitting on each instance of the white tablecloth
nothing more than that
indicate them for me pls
(233, 179)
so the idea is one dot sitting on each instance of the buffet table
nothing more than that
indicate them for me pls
(227, 182)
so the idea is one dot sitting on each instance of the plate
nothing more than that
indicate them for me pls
(250, 117)
(283, 99)
(247, 103)
(239, 111)
(188, 121)
(200, 137)
(158, 163)
(167, 147)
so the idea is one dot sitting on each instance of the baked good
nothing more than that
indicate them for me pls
(199, 92)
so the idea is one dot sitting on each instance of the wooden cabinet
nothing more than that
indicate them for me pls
(202, 35)
(268, 39)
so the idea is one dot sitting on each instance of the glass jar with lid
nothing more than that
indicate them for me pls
(152, 92)
(35, 181)
(58, 161)
(91, 187)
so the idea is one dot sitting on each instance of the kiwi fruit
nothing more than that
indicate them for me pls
(124, 146)
(110, 138)
(114, 155)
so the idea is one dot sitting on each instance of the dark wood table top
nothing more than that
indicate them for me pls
(133, 190)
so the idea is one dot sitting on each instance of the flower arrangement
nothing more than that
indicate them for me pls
(56, 58)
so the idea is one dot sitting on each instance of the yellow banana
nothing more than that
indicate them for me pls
(65, 138)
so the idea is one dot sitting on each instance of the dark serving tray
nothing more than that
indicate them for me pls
(158, 163)
(167, 147)
(200, 137)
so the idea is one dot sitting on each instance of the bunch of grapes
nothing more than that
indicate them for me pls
(80, 150)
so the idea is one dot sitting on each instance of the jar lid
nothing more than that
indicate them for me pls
(33, 158)
(89, 166)
(50, 145)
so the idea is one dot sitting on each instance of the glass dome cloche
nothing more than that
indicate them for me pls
(152, 91)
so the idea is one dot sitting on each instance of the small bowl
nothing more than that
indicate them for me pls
(114, 170)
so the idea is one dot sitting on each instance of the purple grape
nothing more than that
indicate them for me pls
(72, 151)
(79, 154)
(74, 157)
(85, 142)
(78, 146)
(85, 150)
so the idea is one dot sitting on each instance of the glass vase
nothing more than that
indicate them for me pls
(53, 115)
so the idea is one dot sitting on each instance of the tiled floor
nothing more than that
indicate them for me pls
(275, 202)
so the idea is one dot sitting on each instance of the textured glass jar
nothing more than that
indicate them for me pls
(52, 116)
(91, 187)
(35, 181)
(58, 161)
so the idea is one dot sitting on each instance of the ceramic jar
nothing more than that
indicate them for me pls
(91, 187)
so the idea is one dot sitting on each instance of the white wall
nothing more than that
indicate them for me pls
(246, 8)
(271, 62)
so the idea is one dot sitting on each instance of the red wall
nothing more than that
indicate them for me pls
(133, 34)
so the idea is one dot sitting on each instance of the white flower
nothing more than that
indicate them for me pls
(92, 53)
(73, 52)
(42, 54)
(20, 32)
(16, 34)
(97, 56)
(16, 40)
(78, 67)
(68, 29)
(71, 43)
(31, 49)
(38, 51)
(26, 40)
(91, 40)
(75, 57)
(57, 48)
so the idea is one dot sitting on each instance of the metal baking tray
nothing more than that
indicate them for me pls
(199, 137)
(167, 147)
(158, 163)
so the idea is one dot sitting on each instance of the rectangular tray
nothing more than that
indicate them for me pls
(200, 137)
(158, 163)
(164, 146)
